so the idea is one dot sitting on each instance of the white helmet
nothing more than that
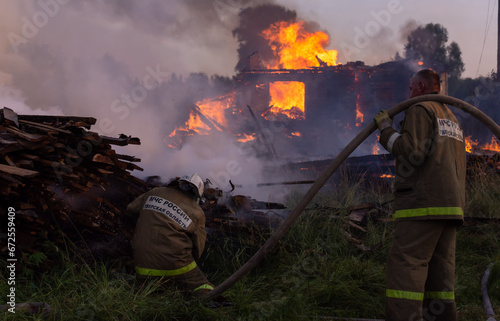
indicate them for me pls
(194, 182)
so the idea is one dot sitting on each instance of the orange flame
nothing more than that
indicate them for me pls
(376, 147)
(297, 48)
(359, 114)
(287, 97)
(214, 109)
(207, 115)
(387, 176)
(470, 144)
(473, 145)
(246, 138)
(194, 124)
(493, 145)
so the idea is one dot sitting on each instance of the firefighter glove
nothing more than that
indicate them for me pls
(383, 120)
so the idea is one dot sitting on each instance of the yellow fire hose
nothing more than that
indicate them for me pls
(334, 165)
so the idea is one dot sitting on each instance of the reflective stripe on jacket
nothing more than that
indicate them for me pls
(430, 163)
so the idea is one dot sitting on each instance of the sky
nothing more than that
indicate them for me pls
(465, 20)
(110, 58)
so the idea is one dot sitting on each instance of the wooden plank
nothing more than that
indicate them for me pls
(80, 187)
(47, 149)
(132, 167)
(11, 179)
(29, 145)
(102, 159)
(7, 139)
(9, 161)
(10, 117)
(121, 141)
(103, 171)
(92, 136)
(128, 158)
(19, 133)
(29, 156)
(5, 149)
(69, 155)
(58, 119)
(26, 206)
(18, 171)
(55, 165)
(47, 127)
(80, 124)
(25, 163)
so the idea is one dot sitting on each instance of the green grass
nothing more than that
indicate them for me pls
(314, 272)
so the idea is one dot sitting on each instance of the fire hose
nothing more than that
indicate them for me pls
(332, 167)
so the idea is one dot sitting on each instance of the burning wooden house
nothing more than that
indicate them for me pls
(299, 100)
(298, 103)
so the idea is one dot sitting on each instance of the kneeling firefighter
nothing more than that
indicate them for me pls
(170, 234)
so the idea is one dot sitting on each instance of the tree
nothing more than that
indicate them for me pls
(429, 44)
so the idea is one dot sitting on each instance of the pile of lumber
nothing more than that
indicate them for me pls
(62, 179)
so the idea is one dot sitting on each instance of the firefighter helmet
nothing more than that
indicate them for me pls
(192, 182)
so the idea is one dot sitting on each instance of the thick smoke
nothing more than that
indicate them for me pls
(135, 66)
(253, 21)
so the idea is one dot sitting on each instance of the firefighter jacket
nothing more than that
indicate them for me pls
(430, 163)
(170, 232)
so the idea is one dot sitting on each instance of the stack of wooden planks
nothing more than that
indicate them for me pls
(60, 179)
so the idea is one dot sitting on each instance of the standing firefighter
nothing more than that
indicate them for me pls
(428, 206)
(170, 234)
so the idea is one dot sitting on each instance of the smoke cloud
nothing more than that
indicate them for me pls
(136, 67)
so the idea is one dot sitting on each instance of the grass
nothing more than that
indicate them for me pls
(314, 273)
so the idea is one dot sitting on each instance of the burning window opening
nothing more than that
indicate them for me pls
(288, 98)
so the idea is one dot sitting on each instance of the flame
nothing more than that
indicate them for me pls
(287, 97)
(208, 114)
(214, 108)
(420, 63)
(294, 48)
(297, 48)
(470, 144)
(376, 146)
(387, 176)
(296, 134)
(473, 145)
(359, 114)
(246, 138)
(193, 125)
(493, 145)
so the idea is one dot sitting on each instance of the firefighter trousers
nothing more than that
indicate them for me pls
(420, 271)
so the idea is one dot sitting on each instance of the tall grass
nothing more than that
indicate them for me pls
(314, 273)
